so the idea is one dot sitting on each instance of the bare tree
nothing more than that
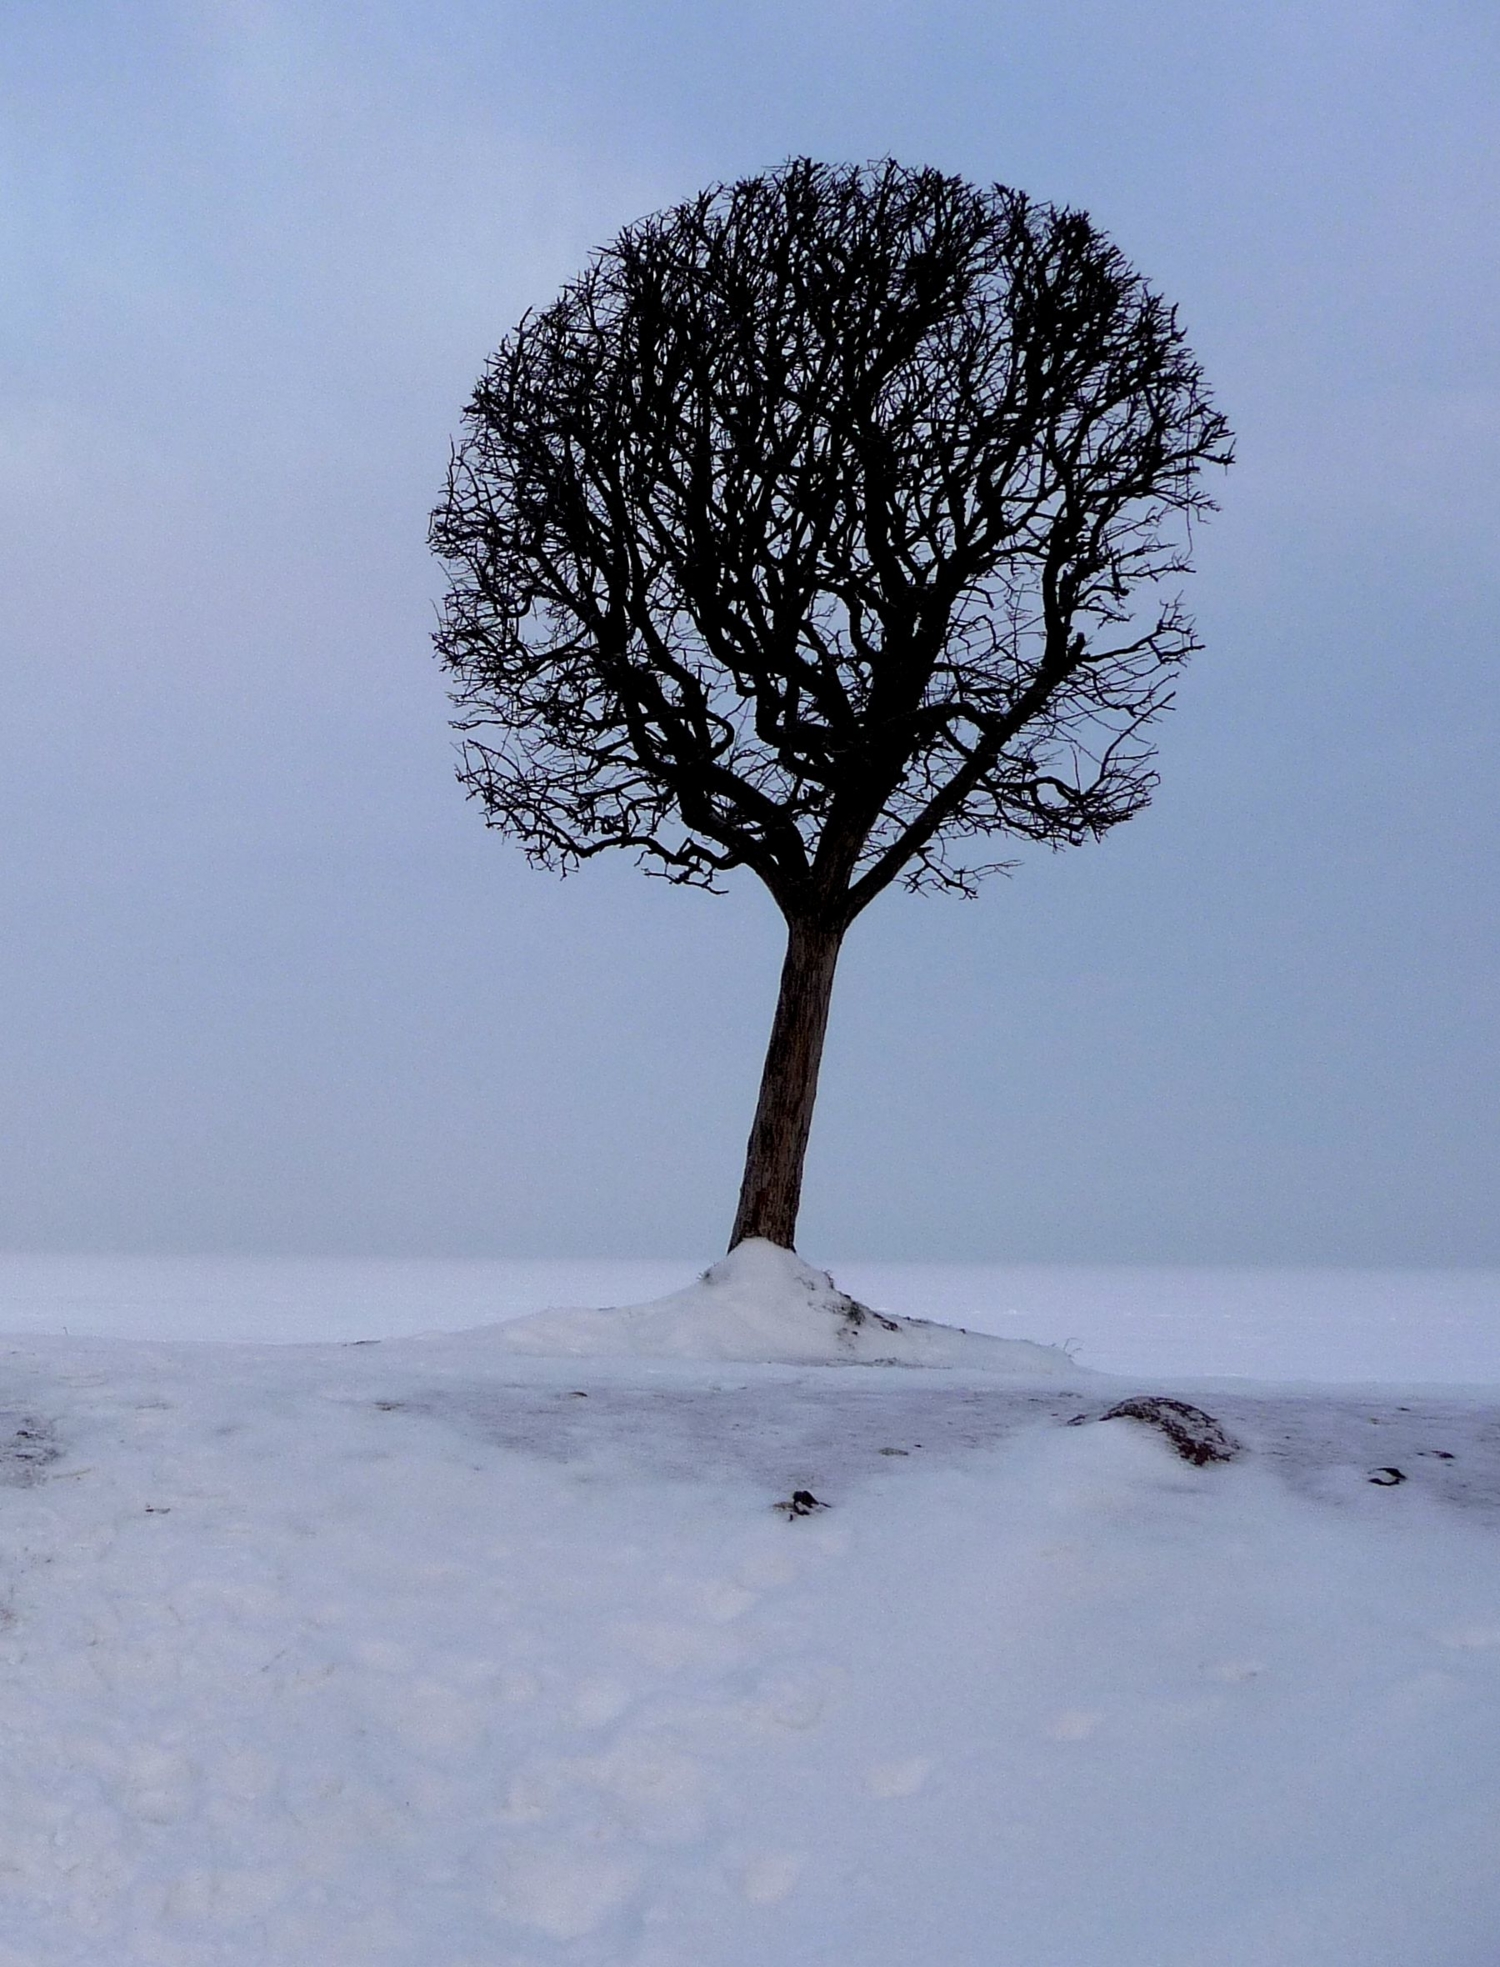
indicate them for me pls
(819, 528)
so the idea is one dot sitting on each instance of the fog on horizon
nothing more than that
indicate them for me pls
(266, 983)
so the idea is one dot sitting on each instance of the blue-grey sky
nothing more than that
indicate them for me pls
(266, 984)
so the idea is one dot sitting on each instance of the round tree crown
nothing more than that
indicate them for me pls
(820, 527)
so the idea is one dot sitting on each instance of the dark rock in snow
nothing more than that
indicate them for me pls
(1196, 1436)
(802, 1503)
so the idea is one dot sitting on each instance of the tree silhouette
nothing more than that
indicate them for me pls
(819, 528)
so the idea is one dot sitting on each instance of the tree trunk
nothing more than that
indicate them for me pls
(772, 1187)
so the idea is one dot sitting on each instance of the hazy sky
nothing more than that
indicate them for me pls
(266, 983)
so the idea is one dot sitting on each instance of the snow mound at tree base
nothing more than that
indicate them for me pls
(763, 1304)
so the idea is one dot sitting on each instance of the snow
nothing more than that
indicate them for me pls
(438, 1652)
(1268, 1324)
(763, 1304)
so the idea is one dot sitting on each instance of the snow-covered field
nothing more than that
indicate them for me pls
(1322, 1325)
(462, 1652)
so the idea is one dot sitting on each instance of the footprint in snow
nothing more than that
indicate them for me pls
(723, 1601)
(671, 1646)
(764, 1569)
(562, 1892)
(1471, 1637)
(770, 1878)
(1232, 1672)
(795, 1701)
(598, 1702)
(1074, 1724)
(889, 1780)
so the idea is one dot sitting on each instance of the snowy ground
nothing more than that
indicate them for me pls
(428, 1653)
(1266, 1324)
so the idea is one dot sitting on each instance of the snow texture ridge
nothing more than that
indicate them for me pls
(764, 1305)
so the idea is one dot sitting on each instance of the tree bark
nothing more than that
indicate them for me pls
(772, 1187)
